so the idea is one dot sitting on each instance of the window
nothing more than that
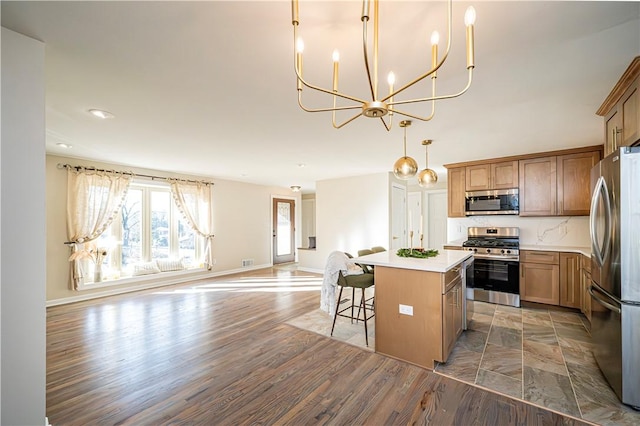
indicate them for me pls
(150, 228)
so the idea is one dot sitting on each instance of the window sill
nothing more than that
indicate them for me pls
(143, 279)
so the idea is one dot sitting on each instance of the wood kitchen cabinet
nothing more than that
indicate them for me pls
(538, 186)
(558, 185)
(451, 316)
(503, 175)
(621, 110)
(539, 276)
(570, 280)
(555, 183)
(573, 191)
(456, 189)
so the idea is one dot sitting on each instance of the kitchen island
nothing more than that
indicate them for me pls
(419, 304)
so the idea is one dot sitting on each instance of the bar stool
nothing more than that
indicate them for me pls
(362, 281)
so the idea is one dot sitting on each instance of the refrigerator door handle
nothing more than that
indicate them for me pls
(604, 302)
(600, 194)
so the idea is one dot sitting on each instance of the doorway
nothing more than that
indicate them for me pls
(398, 217)
(283, 230)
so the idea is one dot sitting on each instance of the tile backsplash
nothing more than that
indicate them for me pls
(567, 231)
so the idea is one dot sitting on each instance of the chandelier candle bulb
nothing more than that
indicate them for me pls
(435, 39)
(336, 60)
(299, 50)
(469, 21)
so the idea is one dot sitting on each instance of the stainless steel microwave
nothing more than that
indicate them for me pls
(498, 201)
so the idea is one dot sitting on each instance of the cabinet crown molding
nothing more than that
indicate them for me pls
(631, 73)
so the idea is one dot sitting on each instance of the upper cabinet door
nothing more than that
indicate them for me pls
(630, 105)
(538, 187)
(574, 186)
(504, 175)
(456, 185)
(478, 177)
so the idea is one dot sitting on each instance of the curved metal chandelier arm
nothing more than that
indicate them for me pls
(325, 109)
(311, 86)
(365, 20)
(434, 69)
(339, 126)
(436, 98)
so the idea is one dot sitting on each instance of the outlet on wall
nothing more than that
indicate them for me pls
(406, 309)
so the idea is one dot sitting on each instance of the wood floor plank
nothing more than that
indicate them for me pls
(219, 352)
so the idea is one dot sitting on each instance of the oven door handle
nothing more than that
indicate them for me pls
(507, 258)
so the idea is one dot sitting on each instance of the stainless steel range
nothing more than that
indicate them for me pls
(494, 276)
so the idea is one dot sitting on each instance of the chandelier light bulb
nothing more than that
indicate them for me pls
(435, 38)
(299, 45)
(391, 78)
(470, 16)
(336, 56)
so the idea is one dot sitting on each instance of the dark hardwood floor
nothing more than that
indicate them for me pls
(218, 352)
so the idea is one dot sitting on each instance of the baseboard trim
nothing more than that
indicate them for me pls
(155, 283)
(313, 270)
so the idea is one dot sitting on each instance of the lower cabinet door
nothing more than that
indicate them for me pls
(540, 283)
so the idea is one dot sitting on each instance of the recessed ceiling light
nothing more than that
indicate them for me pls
(295, 188)
(101, 113)
(64, 145)
(301, 165)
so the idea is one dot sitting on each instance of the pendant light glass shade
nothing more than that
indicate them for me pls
(405, 167)
(427, 177)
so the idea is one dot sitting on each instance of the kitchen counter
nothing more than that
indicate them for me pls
(443, 262)
(569, 249)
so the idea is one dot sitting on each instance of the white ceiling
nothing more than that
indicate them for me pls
(208, 88)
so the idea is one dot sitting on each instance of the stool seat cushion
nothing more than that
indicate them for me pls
(356, 281)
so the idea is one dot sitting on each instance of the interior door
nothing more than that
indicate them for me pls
(436, 219)
(283, 230)
(398, 217)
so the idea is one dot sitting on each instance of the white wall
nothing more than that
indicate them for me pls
(23, 316)
(570, 231)
(242, 226)
(351, 214)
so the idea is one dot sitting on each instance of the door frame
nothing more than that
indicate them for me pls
(296, 218)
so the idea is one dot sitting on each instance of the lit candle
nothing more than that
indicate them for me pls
(435, 39)
(469, 20)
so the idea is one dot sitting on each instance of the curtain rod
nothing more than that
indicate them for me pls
(69, 166)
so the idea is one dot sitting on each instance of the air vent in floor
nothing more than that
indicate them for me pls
(247, 262)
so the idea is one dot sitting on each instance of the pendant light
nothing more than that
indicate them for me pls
(427, 177)
(405, 167)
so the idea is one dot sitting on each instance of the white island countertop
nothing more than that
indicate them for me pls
(445, 260)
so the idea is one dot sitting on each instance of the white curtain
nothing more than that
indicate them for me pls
(94, 199)
(194, 200)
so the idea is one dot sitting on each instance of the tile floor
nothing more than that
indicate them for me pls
(536, 355)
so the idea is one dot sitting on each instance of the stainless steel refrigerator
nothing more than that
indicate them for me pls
(615, 271)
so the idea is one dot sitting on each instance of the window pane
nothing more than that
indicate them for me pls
(284, 229)
(160, 207)
(132, 228)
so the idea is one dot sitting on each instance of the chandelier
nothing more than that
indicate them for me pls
(381, 105)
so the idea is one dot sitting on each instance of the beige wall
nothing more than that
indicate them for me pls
(351, 214)
(242, 225)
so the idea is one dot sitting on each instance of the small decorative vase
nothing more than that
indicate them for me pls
(97, 276)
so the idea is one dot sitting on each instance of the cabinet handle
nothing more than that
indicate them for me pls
(521, 271)
(614, 134)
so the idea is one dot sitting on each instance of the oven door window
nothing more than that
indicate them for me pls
(496, 275)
